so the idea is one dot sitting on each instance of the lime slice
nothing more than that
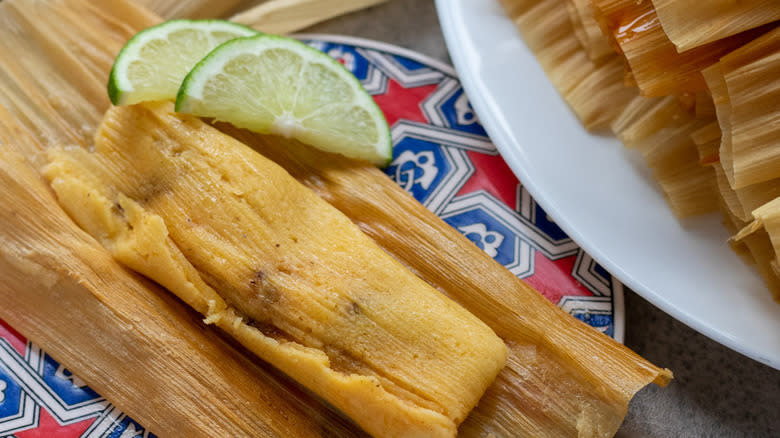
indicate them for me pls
(153, 63)
(276, 85)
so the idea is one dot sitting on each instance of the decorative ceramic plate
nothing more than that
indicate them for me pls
(444, 158)
(601, 194)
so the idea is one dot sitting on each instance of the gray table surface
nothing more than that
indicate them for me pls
(716, 392)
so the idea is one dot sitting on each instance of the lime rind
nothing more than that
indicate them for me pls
(122, 91)
(190, 98)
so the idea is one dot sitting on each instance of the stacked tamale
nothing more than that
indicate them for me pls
(160, 362)
(695, 88)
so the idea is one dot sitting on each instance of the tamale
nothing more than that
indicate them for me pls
(265, 259)
(513, 405)
(657, 67)
(591, 376)
(746, 90)
(132, 342)
(594, 92)
(587, 30)
(763, 233)
(692, 23)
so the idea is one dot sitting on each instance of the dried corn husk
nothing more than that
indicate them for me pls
(594, 92)
(588, 31)
(657, 67)
(689, 188)
(707, 141)
(285, 16)
(272, 16)
(745, 85)
(692, 23)
(765, 233)
(643, 117)
(195, 9)
(592, 377)
(742, 202)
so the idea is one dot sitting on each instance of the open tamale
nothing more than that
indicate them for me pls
(265, 259)
(132, 341)
(692, 23)
(591, 376)
(594, 91)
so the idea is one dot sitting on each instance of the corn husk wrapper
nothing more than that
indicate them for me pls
(285, 16)
(594, 92)
(689, 188)
(707, 141)
(643, 117)
(592, 378)
(693, 23)
(745, 85)
(764, 234)
(588, 31)
(656, 66)
(195, 9)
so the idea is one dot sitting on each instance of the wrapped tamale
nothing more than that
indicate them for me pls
(262, 257)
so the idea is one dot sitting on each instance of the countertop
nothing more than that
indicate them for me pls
(716, 391)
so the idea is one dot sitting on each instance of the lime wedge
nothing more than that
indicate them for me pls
(276, 85)
(153, 63)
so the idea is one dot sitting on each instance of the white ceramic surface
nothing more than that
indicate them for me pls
(601, 194)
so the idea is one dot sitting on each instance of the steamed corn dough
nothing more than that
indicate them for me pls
(271, 263)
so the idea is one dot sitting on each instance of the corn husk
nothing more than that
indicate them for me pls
(693, 23)
(707, 141)
(643, 117)
(746, 90)
(285, 16)
(587, 30)
(594, 92)
(592, 378)
(657, 67)
(195, 9)
(689, 188)
(764, 233)
(271, 16)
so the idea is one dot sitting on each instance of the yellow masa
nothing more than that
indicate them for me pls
(268, 261)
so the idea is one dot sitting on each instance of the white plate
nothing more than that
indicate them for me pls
(601, 194)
